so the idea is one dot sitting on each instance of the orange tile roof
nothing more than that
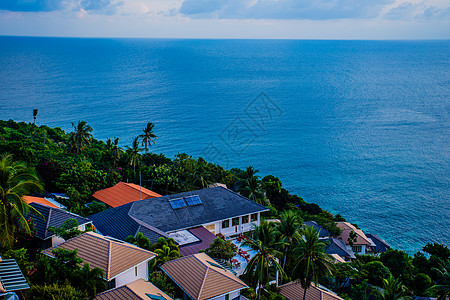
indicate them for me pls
(135, 290)
(346, 227)
(201, 277)
(112, 256)
(294, 291)
(123, 193)
(30, 199)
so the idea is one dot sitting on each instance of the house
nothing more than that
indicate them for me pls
(217, 209)
(121, 262)
(338, 247)
(31, 199)
(123, 193)
(380, 244)
(323, 233)
(11, 277)
(362, 245)
(294, 291)
(136, 290)
(54, 217)
(200, 277)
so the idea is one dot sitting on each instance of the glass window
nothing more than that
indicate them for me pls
(235, 221)
(254, 217)
(244, 219)
(227, 297)
(135, 271)
(226, 224)
(357, 249)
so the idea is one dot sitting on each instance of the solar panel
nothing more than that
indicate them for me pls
(177, 203)
(193, 200)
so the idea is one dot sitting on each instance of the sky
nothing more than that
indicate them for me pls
(260, 19)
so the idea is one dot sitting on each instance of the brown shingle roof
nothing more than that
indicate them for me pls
(135, 290)
(113, 257)
(200, 276)
(123, 193)
(361, 238)
(31, 199)
(294, 291)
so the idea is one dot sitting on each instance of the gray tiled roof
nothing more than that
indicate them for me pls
(54, 217)
(11, 277)
(218, 203)
(338, 247)
(380, 244)
(322, 231)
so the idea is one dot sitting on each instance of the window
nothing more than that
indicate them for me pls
(357, 249)
(177, 203)
(226, 224)
(227, 297)
(244, 219)
(254, 217)
(235, 221)
(135, 271)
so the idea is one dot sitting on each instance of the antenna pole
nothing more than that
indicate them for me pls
(140, 186)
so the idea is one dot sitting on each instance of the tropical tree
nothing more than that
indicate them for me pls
(221, 249)
(90, 280)
(163, 254)
(252, 188)
(170, 242)
(139, 240)
(442, 287)
(35, 112)
(393, 289)
(264, 243)
(287, 229)
(134, 155)
(16, 180)
(311, 260)
(201, 176)
(114, 149)
(148, 137)
(81, 136)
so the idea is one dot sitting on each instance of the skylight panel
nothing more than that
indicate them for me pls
(155, 297)
(177, 203)
(193, 200)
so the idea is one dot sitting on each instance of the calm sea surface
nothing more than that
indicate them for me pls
(359, 127)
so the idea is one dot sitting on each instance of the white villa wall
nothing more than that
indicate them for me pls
(234, 230)
(232, 295)
(130, 275)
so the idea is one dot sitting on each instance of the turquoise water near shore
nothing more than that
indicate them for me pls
(359, 127)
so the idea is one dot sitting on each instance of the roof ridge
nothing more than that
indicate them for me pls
(204, 280)
(48, 221)
(108, 266)
(227, 276)
(245, 198)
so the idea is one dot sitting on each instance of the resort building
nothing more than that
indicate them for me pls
(181, 216)
(200, 277)
(123, 193)
(53, 217)
(362, 245)
(121, 262)
(294, 291)
(136, 290)
(338, 247)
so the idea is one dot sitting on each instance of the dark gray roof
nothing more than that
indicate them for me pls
(322, 231)
(11, 276)
(338, 247)
(380, 244)
(218, 203)
(54, 217)
(117, 223)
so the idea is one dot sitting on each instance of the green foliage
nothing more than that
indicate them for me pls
(139, 240)
(90, 280)
(21, 257)
(393, 289)
(376, 272)
(437, 250)
(397, 261)
(221, 249)
(55, 292)
(421, 283)
(163, 282)
(165, 250)
(68, 229)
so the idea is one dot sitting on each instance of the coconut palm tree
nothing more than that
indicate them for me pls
(148, 137)
(16, 180)
(264, 242)
(81, 136)
(252, 188)
(134, 153)
(35, 112)
(311, 260)
(114, 149)
(442, 286)
(201, 176)
(287, 229)
(139, 240)
(163, 255)
(393, 289)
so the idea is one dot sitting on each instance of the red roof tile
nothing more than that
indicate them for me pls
(123, 193)
(30, 199)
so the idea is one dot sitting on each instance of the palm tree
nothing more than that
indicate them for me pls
(393, 289)
(114, 149)
(311, 260)
(201, 177)
(139, 240)
(81, 136)
(35, 112)
(134, 153)
(252, 188)
(287, 229)
(264, 243)
(148, 137)
(16, 180)
(90, 280)
(163, 255)
(442, 286)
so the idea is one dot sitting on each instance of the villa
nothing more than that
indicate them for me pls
(363, 245)
(136, 290)
(121, 262)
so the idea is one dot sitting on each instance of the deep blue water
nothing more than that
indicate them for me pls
(359, 127)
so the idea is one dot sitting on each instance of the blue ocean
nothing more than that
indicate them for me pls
(359, 127)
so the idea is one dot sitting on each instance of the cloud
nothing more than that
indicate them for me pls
(417, 11)
(283, 9)
(98, 6)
